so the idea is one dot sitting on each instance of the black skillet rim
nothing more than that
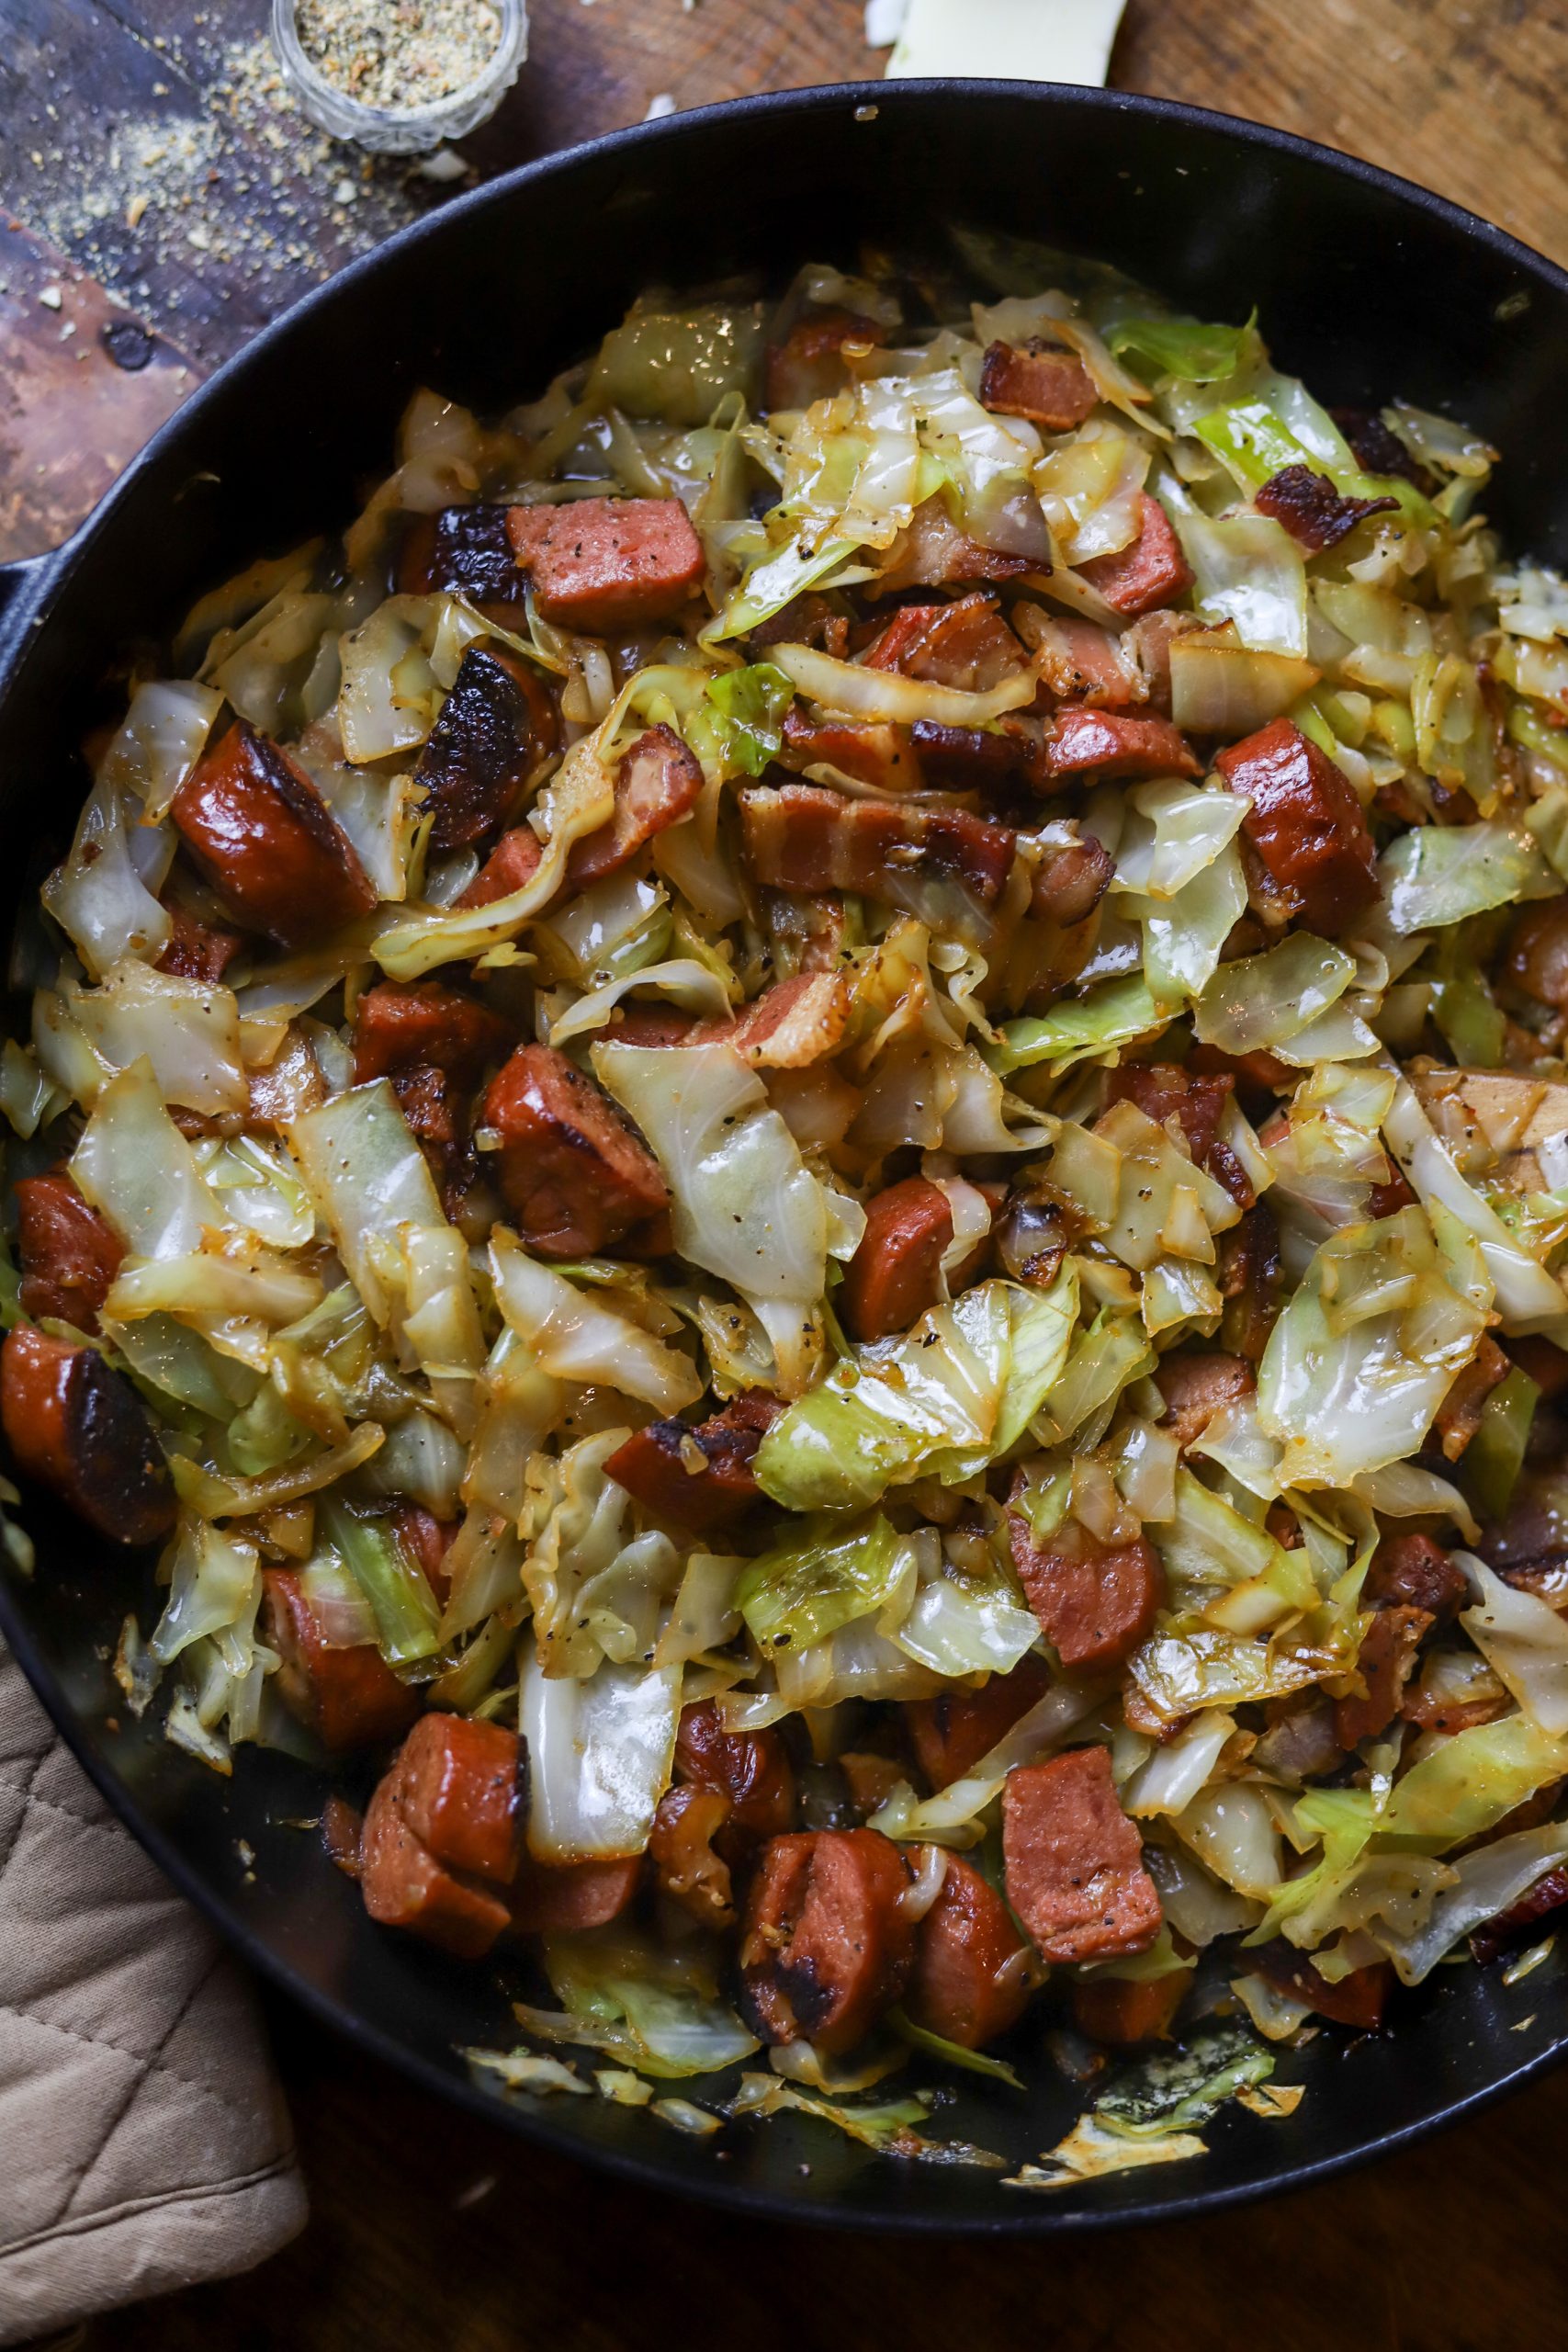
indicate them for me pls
(42, 582)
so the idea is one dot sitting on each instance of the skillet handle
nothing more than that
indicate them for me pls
(22, 586)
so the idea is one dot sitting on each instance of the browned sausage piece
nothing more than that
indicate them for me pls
(456, 1780)
(463, 551)
(1358, 1999)
(495, 726)
(1415, 1571)
(513, 861)
(405, 1886)
(1384, 1662)
(657, 782)
(196, 950)
(1096, 1601)
(1311, 510)
(573, 1173)
(807, 838)
(964, 644)
(1075, 1868)
(1070, 881)
(82, 1431)
(1082, 741)
(605, 563)
(971, 759)
(809, 364)
(952, 1732)
(653, 1465)
(750, 1769)
(1194, 1388)
(261, 836)
(1037, 380)
(827, 1945)
(969, 1983)
(1118, 2010)
(1152, 572)
(425, 1024)
(1547, 1894)
(349, 1698)
(1459, 1414)
(1538, 953)
(427, 1540)
(69, 1255)
(560, 1898)
(681, 1846)
(894, 1273)
(1305, 823)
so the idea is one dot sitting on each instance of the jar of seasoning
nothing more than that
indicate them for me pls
(399, 79)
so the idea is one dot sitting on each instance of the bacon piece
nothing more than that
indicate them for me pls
(807, 620)
(1148, 644)
(1358, 1999)
(1459, 1414)
(1079, 742)
(1537, 958)
(577, 1177)
(1377, 449)
(1166, 1090)
(1078, 661)
(405, 1027)
(966, 644)
(69, 1254)
(261, 836)
(1547, 1894)
(962, 759)
(750, 1769)
(607, 564)
(197, 950)
(970, 1982)
(1305, 824)
(405, 1886)
(1195, 1387)
(652, 1464)
(681, 1845)
(1096, 1601)
(872, 752)
(805, 838)
(656, 783)
(348, 1697)
(936, 552)
(495, 726)
(894, 1273)
(1152, 570)
(81, 1429)
(952, 1732)
(827, 1945)
(1384, 1663)
(789, 1027)
(1121, 2011)
(1037, 380)
(1416, 1572)
(463, 551)
(457, 1782)
(513, 861)
(563, 1898)
(809, 364)
(1311, 510)
(1075, 1867)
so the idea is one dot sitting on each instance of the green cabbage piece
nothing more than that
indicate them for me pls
(658, 2011)
(1118, 1013)
(1437, 875)
(407, 1615)
(820, 1579)
(1185, 348)
(1176, 2092)
(748, 712)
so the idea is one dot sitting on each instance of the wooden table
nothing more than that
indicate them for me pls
(431, 2230)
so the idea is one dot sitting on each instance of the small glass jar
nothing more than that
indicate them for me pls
(403, 131)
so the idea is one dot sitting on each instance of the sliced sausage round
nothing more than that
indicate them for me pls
(261, 836)
(750, 1769)
(952, 1732)
(405, 1886)
(82, 1431)
(560, 1898)
(399, 1027)
(895, 1272)
(69, 1254)
(1096, 1601)
(349, 1698)
(495, 726)
(1074, 1861)
(1120, 2011)
(456, 1781)
(653, 1463)
(574, 1175)
(828, 1944)
(970, 1980)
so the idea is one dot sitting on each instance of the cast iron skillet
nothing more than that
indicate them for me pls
(1370, 287)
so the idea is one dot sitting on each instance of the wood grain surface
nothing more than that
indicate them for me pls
(158, 202)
